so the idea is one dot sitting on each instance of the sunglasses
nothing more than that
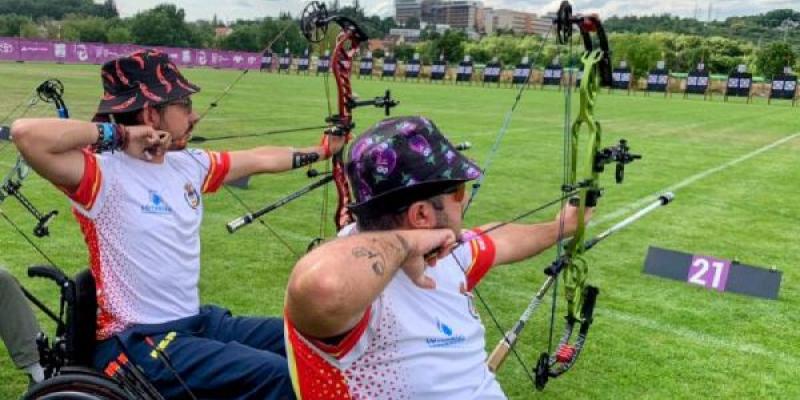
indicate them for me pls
(459, 191)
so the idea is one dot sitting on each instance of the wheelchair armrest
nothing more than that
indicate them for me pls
(50, 272)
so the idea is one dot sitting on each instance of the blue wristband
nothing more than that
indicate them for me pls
(108, 133)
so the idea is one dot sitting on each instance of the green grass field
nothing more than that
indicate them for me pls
(652, 338)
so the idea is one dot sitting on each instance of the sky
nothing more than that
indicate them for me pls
(230, 10)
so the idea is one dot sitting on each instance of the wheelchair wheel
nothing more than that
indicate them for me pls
(84, 385)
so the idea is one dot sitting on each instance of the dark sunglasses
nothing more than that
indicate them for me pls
(458, 191)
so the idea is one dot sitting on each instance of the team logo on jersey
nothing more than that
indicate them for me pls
(156, 204)
(191, 196)
(450, 337)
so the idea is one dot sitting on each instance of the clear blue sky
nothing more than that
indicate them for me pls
(235, 9)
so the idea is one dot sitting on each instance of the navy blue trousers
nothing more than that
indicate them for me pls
(218, 356)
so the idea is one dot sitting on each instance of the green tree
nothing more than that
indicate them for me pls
(163, 25)
(640, 51)
(30, 30)
(84, 29)
(404, 51)
(244, 37)
(12, 24)
(39, 9)
(269, 29)
(508, 49)
(202, 34)
(119, 33)
(771, 59)
(451, 44)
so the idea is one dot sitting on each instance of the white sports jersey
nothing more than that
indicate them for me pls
(141, 222)
(412, 343)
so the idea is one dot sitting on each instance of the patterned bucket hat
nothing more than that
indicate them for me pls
(402, 160)
(145, 77)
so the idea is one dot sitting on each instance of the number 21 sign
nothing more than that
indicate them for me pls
(713, 273)
(709, 272)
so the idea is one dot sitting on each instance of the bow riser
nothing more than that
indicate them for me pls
(347, 44)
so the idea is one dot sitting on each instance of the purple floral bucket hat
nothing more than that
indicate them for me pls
(402, 160)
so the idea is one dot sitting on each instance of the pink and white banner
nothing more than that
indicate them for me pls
(19, 49)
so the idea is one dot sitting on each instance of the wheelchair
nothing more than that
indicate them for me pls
(67, 360)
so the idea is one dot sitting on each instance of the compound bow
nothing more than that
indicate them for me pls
(50, 91)
(314, 24)
(582, 191)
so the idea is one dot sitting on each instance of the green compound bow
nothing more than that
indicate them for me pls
(582, 191)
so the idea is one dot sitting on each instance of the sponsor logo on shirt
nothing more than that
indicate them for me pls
(156, 204)
(449, 339)
(191, 196)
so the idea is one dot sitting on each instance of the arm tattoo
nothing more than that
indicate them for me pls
(403, 243)
(378, 262)
(378, 258)
(300, 159)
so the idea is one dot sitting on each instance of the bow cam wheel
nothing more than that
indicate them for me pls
(50, 90)
(314, 21)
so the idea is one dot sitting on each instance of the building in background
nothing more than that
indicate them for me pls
(407, 9)
(522, 23)
(400, 35)
(458, 14)
(543, 24)
(470, 16)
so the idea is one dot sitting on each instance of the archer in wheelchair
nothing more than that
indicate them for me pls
(137, 194)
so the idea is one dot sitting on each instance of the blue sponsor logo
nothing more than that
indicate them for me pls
(156, 205)
(449, 339)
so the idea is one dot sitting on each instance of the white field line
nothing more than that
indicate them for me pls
(690, 180)
(701, 338)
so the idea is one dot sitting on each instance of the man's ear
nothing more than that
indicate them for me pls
(149, 116)
(421, 214)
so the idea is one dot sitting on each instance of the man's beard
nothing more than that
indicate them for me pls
(442, 220)
(178, 145)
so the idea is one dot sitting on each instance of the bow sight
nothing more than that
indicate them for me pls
(337, 125)
(619, 154)
(386, 102)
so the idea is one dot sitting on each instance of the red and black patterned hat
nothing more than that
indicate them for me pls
(145, 77)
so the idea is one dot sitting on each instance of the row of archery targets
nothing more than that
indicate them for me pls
(738, 83)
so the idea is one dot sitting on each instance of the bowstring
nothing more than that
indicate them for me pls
(496, 322)
(504, 128)
(566, 169)
(213, 105)
(32, 101)
(323, 216)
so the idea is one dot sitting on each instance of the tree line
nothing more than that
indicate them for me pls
(765, 43)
